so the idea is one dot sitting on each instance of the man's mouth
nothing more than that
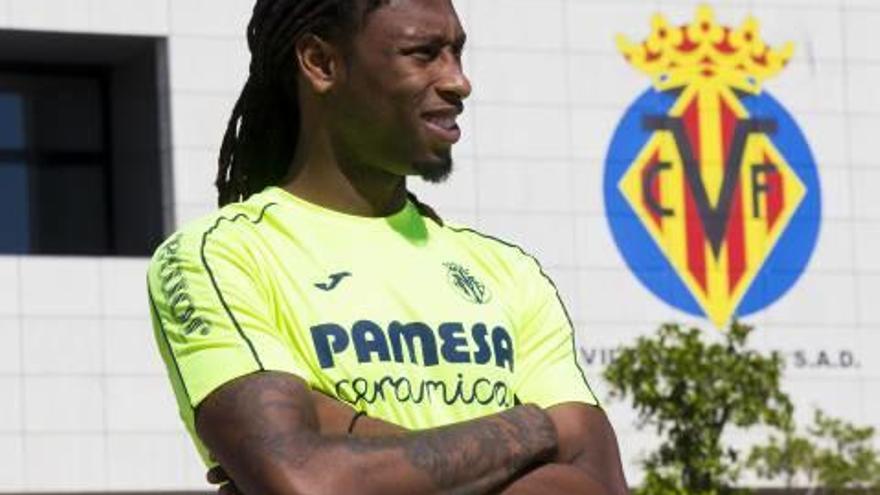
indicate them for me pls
(442, 124)
(447, 123)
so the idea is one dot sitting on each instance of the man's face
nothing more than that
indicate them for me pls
(396, 108)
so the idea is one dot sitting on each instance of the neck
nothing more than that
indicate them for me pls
(330, 178)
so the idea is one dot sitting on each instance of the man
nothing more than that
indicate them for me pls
(327, 334)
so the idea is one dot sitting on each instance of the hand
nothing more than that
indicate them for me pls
(217, 476)
(587, 442)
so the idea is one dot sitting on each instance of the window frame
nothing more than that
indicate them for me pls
(35, 159)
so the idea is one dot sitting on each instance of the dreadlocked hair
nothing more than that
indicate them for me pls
(261, 136)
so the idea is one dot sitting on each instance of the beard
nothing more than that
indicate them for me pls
(435, 171)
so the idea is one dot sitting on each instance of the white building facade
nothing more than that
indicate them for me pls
(85, 404)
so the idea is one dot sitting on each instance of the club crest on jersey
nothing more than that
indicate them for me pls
(467, 285)
(711, 190)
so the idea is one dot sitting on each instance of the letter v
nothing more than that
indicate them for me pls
(714, 219)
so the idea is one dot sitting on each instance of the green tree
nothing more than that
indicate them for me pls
(690, 391)
(834, 457)
(786, 458)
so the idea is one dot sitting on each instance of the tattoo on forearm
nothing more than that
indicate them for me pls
(486, 452)
(503, 445)
(261, 400)
(509, 441)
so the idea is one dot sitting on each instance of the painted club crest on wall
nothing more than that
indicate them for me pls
(711, 190)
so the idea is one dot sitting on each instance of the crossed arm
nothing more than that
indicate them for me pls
(273, 435)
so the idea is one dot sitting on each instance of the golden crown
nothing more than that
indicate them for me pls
(705, 51)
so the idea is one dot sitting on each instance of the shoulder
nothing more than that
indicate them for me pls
(229, 229)
(489, 245)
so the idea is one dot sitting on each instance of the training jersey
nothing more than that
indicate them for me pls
(410, 321)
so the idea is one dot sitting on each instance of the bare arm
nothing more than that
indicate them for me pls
(587, 463)
(587, 443)
(265, 431)
(335, 418)
(555, 479)
(547, 479)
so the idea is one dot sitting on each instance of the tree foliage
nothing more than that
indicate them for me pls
(834, 455)
(690, 392)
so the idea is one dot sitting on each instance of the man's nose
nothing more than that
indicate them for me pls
(454, 81)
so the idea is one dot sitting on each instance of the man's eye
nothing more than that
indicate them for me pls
(426, 53)
(458, 51)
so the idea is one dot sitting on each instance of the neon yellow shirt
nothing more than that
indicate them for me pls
(412, 322)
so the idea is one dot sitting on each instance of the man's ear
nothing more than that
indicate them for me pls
(320, 63)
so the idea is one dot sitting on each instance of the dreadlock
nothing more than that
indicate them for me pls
(261, 136)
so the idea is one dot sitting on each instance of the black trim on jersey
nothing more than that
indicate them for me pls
(555, 289)
(168, 344)
(425, 210)
(214, 280)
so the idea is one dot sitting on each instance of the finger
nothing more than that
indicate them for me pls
(217, 475)
(228, 489)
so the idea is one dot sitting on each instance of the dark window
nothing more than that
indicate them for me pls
(82, 144)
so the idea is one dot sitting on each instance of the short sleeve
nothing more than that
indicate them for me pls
(548, 371)
(211, 315)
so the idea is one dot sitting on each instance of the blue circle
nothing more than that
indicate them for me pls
(784, 264)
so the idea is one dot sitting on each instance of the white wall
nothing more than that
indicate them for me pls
(84, 403)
